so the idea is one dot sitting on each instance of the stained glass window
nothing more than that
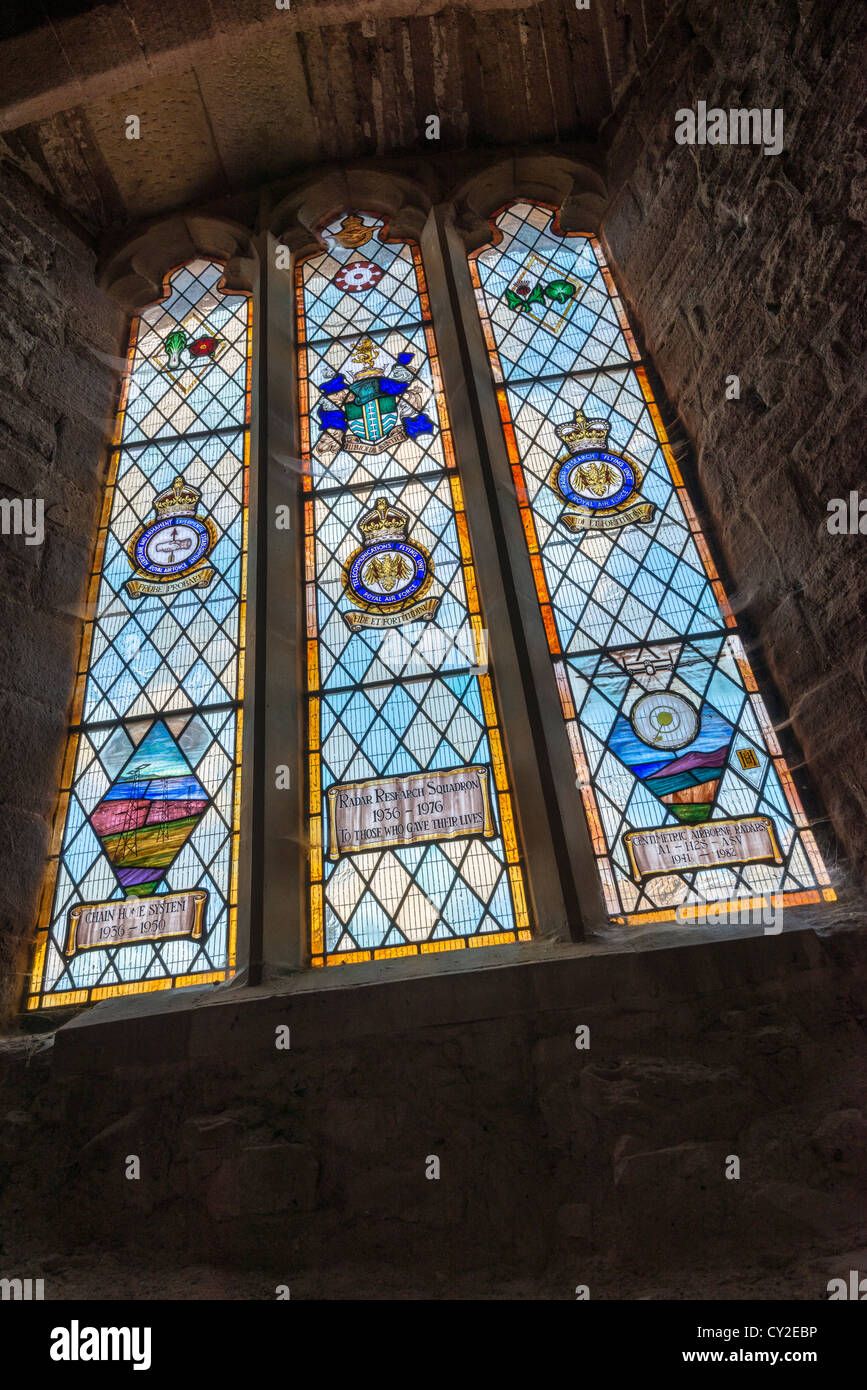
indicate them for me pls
(412, 838)
(141, 888)
(685, 789)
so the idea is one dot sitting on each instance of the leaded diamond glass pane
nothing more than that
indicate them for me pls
(413, 844)
(687, 796)
(140, 891)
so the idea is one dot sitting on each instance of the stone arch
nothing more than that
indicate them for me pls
(573, 186)
(134, 272)
(403, 201)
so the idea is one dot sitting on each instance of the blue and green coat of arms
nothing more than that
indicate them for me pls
(375, 413)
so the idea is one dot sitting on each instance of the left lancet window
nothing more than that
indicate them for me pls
(140, 892)
(412, 839)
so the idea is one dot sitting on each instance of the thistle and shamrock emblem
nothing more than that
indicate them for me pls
(524, 296)
(542, 292)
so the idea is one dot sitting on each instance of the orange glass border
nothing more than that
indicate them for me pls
(591, 807)
(513, 860)
(35, 998)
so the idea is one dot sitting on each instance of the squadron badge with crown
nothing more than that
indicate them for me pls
(388, 575)
(600, 488)
(170, 553)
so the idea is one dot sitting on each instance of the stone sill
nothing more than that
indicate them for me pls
(234, 1022)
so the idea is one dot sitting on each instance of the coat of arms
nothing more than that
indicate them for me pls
(374, 414)
(169, 554)
(388, 575)
(600, 488)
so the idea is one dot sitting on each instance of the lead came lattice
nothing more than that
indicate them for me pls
(392, 613)
(150, 790)
(672, 745)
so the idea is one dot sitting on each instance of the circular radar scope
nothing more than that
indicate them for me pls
(664, 720)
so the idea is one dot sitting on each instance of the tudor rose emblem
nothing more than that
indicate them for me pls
(358, 276)
(388, 575)
(170, 553)
(599, 487)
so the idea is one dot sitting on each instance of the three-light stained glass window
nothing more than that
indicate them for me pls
(684, 786)
(141, 887)
(412, 833)
(412, 836)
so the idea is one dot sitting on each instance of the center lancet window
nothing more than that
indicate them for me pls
(412, 835)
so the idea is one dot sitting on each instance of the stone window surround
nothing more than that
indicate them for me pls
(566, 905)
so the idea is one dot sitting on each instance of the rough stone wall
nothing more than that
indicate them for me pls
(742, 263)
(59, 344)
(559, 1166)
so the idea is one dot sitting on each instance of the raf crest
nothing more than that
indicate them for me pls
(388, 575)
(169, 554)
(600, 488)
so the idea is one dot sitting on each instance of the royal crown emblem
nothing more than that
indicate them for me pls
(170, 553)
(188, 348)
(388, 575)
(377, 413)
(599, 487)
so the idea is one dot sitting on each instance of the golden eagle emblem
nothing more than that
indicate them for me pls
(597, 478)
(387, 571)
(388, 576)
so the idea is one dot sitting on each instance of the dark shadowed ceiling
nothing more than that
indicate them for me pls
(234, 93)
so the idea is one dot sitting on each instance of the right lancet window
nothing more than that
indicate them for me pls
(685, 789)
